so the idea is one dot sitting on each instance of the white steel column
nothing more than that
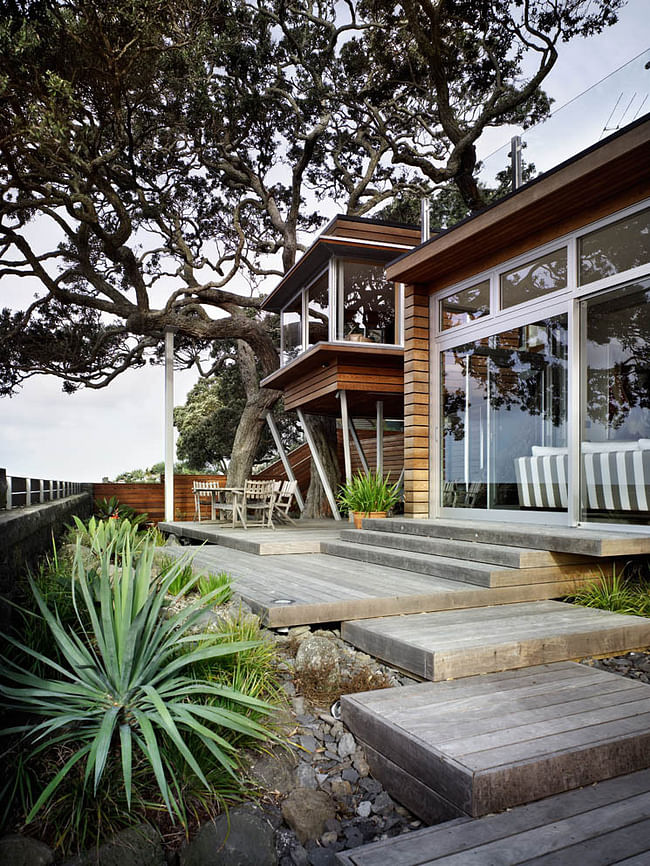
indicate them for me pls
(345, 423)
(575, 363)
(358, 445)
(169, 425)
(380, 437)
(319, 465)
(270, 420)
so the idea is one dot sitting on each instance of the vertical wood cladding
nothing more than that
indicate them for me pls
(416, 402)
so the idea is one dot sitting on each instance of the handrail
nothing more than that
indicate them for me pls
(18, 491)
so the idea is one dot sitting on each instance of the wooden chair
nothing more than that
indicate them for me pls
(259, 497)
(202, 490)
(285, 494)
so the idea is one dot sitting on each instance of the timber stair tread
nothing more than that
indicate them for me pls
(594, 826)
(474, 551)
(561, 539)
(485, 744)
(461, 643)
(456, 568)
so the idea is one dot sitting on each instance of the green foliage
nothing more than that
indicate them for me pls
(369, 491)
(208, 583)
(622, 591)
(124, 694)
(112, 534)
(112, 508)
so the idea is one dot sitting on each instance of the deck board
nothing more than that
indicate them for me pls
(325, 588)
(447, 644)
(602, 824)
(489, 743)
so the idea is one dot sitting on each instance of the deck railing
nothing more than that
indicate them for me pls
(17, 491)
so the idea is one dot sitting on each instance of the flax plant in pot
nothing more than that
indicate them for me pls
(368, 495)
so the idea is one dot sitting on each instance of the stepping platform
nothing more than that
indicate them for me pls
(287, 590)
(595, 826)
(561, 539)
(306, 537)
(485, 744)
(452, 644)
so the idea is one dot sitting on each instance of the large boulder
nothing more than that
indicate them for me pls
(22, 851)
(318, 657)
(244, 837)
(307, 811)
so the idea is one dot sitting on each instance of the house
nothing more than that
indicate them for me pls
(515, 346)
(527, 350)
(342, 330)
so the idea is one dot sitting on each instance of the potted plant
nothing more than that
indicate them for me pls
(368, 495)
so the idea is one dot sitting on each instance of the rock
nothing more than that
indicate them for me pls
(319, 657)
(137, 846)
(360, 764)
(242, 838)
(307, 811)
(382, 804)
(18, 850)
(306, 776)
(340, 788)
(347, 746)
(299, 856)
(329, 837)
(364, 809)
(172, 540)
(323, 857)
(308, 743)
(274, 771)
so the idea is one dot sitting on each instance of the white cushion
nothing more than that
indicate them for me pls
(644, 444)
(547, 450)
(600, 447)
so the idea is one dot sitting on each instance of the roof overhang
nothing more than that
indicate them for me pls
(603, 170)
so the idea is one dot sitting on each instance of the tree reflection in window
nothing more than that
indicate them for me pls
(615, 248)
(545, 274)
(368, 304)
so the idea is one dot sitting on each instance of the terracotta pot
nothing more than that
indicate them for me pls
(359, 515)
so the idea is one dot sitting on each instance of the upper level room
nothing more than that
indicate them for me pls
(337, 292)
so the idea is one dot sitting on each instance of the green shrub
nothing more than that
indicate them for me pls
(125, 700)
(625, 590)
(369, 491)
(107, 509)
(208, 583)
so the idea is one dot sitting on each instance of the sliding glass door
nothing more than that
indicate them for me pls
(504, 413)
(615, 447)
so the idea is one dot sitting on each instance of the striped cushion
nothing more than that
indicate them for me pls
(542, 481)
(614, 480)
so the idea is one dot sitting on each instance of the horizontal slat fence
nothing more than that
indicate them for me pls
(150, 498)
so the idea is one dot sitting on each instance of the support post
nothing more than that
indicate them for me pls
(515, 161)
(169, 425)
(358, 445)
(345, 423)
(319, 465)
(273, 427)
(380, 437)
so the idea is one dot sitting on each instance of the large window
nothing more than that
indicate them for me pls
(292, 330)
(465, 305)
(504, 419)
(318, 315)
(614, 248)
(536, 278)
(616, 410)
(367, 303)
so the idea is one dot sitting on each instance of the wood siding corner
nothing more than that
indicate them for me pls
(416, 402)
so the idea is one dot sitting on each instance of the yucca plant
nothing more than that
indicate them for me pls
(126, 687)
(369, 491)
(99, 535)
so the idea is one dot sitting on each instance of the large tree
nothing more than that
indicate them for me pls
(161, 157)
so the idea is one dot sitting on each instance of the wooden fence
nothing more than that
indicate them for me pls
(150, 498)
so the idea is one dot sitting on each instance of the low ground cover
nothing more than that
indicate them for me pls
(625, 590)
(123, 700)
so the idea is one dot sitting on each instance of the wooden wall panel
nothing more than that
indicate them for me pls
(416, 402)
(150, 498)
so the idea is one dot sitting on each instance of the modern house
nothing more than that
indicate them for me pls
(515, 345)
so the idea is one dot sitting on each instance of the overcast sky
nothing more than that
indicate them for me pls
(84, 437)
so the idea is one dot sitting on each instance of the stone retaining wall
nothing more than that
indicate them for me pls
(26, 534)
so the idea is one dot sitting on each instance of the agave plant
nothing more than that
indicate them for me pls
(99, 535)
(126, 685)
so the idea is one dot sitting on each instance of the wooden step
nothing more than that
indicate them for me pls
(449, 644)
(595, 826)
(485, 744)
(582, 541)
(476, 551)
(463, 570)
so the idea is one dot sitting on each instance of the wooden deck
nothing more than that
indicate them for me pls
(306, 537)
(485, 744)
(463, 643)
(286, 590)
(595, 826)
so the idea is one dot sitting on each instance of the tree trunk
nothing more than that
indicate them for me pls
(249, 430)
(323, 430)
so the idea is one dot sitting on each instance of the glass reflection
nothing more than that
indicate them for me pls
(465, 306)
(292, 330)
(615, 248)
(368, 304)
(616, 415)
(318, 310)
(504, 419)
(543, 275)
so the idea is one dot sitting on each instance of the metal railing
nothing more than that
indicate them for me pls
(17, 491)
